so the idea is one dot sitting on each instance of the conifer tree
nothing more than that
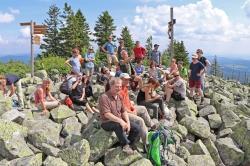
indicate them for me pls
(51, 40)
(180, 52)
(104, 28)
(67, 16)
(128, 41)
(75, 30)
(149, 44)
(215, 68)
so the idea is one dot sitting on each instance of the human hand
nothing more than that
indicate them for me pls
(128, 128)
(124, 125)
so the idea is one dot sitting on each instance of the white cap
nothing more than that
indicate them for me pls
(112, 73)
(125, 75)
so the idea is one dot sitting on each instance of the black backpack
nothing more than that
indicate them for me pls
(64, 87)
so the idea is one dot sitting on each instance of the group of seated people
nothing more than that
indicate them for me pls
(130, 121)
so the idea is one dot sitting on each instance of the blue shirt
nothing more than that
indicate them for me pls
(139, 69)
(108, 46)
(76, 65)
(155, 56)
(195, 69)
(89, 64)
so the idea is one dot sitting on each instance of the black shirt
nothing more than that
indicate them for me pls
(11, 79)
(203, 60)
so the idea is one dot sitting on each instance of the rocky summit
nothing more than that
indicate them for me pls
(216, 133)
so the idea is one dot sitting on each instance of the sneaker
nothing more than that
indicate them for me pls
(127, 150)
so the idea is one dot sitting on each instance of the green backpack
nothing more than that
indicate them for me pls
(157, 138)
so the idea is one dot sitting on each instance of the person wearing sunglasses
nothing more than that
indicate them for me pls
(175, 88)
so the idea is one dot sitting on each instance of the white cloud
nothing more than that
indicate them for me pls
(3, 41)
(14, 11)
(6, 17)
(199, 21)
(246, 7)
(25, 32)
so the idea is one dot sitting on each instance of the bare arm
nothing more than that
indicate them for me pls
(67, 63)
(12, 89)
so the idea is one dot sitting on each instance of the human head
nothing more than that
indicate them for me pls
(125, 79)
(104, 70)
(75, 51)
(115, 85)
(156, 46)
(195, 57)
(121, 42)
(153, 83)
(139, 62)
(46, 85)
(2, 81)
(124, 54)
(180, 64)
(137, 43)
(199, 52)
(173, 61)
(91, 49)
(176, 74)
(110, 38)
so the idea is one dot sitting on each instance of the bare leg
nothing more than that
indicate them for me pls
(168, 92)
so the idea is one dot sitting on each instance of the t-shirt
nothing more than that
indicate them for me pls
(155, 56)
(125, 99)
(107, 103)
(180, 87)
(124, 67)
(139, 52)
(195, 69)
(11, 79)
(203, 60)
(75, 63)
(139, 69)
(89, 64)
(183, 72)
(109, 47)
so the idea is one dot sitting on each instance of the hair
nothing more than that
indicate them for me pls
(47, 81)
(199, 51)
(114, 80)
(103, 69)
(173, 59)
(152, 64)
(154, 82)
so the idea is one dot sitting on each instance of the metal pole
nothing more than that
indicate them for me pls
(172, 33)
(31, 48)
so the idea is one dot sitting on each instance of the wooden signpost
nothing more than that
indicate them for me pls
(35, 31)
(171, 32)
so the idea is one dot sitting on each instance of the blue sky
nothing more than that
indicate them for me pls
(219, 27)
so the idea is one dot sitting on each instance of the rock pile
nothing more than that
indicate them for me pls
(216, 133)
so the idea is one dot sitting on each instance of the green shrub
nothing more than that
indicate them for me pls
(14, 67)
(52, 62)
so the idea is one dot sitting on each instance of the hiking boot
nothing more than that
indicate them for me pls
(128, 150)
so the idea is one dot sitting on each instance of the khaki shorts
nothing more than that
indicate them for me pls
(112, 58)
(89, 71)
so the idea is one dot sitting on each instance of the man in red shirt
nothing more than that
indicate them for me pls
(139, 52)
(137, 114)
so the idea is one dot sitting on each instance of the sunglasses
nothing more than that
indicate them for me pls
(176, 75)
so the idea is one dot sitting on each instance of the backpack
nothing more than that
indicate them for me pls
(162, 137)
(64, 87)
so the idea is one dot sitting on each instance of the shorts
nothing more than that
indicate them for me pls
(112, 58)
(177, 96)
(195, 84)
(89, 71)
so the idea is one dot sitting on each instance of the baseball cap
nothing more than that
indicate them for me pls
(156, 45)
(125, 75)
(195, 56)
